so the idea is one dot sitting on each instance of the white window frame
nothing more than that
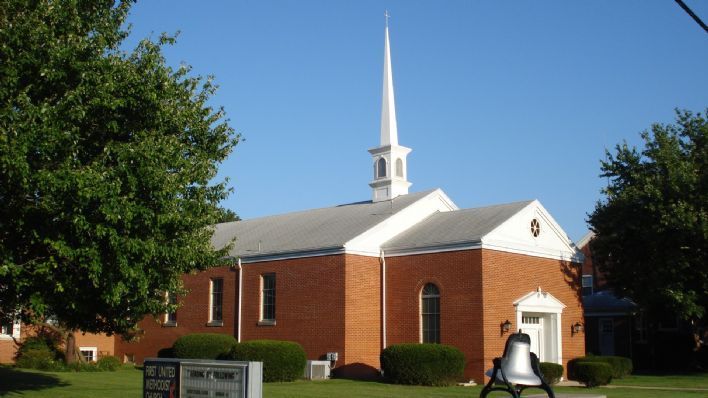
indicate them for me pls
(263, 321)
(166, 319)
(94, 351)
(212, 321)
(14, 333)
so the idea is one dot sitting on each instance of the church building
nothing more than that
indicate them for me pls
(399, 268)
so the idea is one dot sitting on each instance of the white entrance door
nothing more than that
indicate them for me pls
(532, 324)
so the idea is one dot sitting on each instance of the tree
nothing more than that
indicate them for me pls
(652, 226)
(228, 215)
(106, 165)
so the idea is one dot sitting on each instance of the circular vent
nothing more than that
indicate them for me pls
(535, 228)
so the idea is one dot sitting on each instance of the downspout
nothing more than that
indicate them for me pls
(383, 300)
(240, 295)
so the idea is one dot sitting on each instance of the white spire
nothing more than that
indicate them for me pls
(389, 130)
(389, 158)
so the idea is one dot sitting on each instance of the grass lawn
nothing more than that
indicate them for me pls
(128, 383)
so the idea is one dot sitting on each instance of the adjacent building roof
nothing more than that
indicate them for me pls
(605, 303)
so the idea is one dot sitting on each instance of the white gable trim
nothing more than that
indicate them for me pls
(539, 301)
(514, 236)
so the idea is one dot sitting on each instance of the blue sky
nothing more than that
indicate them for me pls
(500, 100)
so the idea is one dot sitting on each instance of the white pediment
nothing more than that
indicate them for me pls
(517, 236)
(539, 301)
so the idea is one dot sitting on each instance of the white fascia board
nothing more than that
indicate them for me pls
(514, 236)
(448, 247)
(372, 239)
(291, 255)
(514, 247)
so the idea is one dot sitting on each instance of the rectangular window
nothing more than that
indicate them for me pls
(216, 314)
(587, 285)
(171, 317)
(89, 353)
(431, 320)
(6, 328)
(268, 297)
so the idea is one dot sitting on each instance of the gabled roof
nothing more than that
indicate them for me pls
(450, 229)
(318, 231)
(422, 222)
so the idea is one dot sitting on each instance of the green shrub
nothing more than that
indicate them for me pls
(203, 345)
(42, 342)
(38, 358)
(593, 374)
(620, 366)
(109, 363)
(422, 364)
(39, 352)
(282, 360)
(552, 372)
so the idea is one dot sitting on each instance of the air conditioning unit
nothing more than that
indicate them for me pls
(317, 370)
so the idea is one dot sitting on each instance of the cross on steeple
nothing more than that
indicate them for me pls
(387, 16)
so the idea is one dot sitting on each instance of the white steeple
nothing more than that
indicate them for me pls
(389, 159)
(389, 130)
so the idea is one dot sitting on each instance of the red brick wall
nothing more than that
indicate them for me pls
(458, 276)
(362, 317)
(508, 277)
(309, 303)
(333, 303)
(192, 317)
(8, 348)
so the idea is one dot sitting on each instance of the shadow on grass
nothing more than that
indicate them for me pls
(15, 380)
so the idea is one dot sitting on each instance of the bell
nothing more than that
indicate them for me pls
(516, 365)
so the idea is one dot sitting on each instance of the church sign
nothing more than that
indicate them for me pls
(194, 378)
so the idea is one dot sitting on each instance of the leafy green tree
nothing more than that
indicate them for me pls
(652, 227)
(106, 165)
(228, 215)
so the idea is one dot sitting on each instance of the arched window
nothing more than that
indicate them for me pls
(381, 168)
(430, 313)
(399, 167)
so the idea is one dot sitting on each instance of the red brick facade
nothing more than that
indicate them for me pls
(333, 304)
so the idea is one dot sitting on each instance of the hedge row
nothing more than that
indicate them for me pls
(422, 364)
(613, 367)
(282, 360)
(593, 374)
(202, 346)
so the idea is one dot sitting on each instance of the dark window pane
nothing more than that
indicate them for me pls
(217, 298)
(268, 297)
(430, 316)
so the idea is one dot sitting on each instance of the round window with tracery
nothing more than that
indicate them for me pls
(535, 228)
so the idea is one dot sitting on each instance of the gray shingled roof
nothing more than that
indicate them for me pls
(318, 230)
(454, 227)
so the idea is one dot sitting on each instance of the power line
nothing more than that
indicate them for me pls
(692, 14)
